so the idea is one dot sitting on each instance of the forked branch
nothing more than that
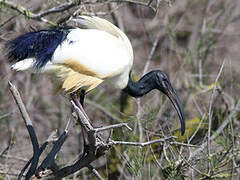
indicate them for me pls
(97, 145)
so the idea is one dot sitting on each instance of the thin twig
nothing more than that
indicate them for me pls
(198, 171)
(210, 110)
(22, 10)
(13, 157)
(122, 1)
(112, 127)
(10, 143)
(219, 130)
(92, 169)
(154, 156)
(6, 115)
(150, 56)
(142, 144)
(139, 117)
(61, 8)
(197, 129)
(9, 173)
(102, 109)
(52, 136)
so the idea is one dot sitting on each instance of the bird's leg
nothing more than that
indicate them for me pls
(80, 104)
(82, 96)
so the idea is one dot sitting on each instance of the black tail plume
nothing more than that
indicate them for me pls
(40, 45)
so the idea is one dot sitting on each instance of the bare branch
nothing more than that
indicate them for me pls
(52, 136)
(31, 131)
(6, 115)
(41, 149)
(122, 1)
(8, 173)
(10, 143)
(219, 130)
(210, 110)
(58, 9)
(142, 144)
(105, 111)
(20, 104)
(189, 164)
(49, 160)
(22, 10)
(91, 168)
(112, 127)
(150, 56)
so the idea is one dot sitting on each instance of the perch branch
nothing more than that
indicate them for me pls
(97, 148)
(42, 148)
(49, 160)
(31, 131)
(20, 104)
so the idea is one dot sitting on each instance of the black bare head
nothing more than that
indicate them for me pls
(156, 80)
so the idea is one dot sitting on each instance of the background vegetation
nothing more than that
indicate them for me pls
(196, 42)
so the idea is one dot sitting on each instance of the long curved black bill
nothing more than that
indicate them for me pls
(173, 96)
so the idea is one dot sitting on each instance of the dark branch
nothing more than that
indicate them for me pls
(49, 160)
(31, 131)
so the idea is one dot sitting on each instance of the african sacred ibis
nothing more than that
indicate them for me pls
(81, 59)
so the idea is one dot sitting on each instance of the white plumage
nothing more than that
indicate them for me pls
(100, 52)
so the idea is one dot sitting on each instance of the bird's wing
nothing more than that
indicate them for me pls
(93, 52)
(104, 46)
(86, 58)
(79, 57)
(93, 22)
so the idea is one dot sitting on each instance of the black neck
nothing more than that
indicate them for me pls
(141, 87)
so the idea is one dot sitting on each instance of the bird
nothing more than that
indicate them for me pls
(80, 59)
